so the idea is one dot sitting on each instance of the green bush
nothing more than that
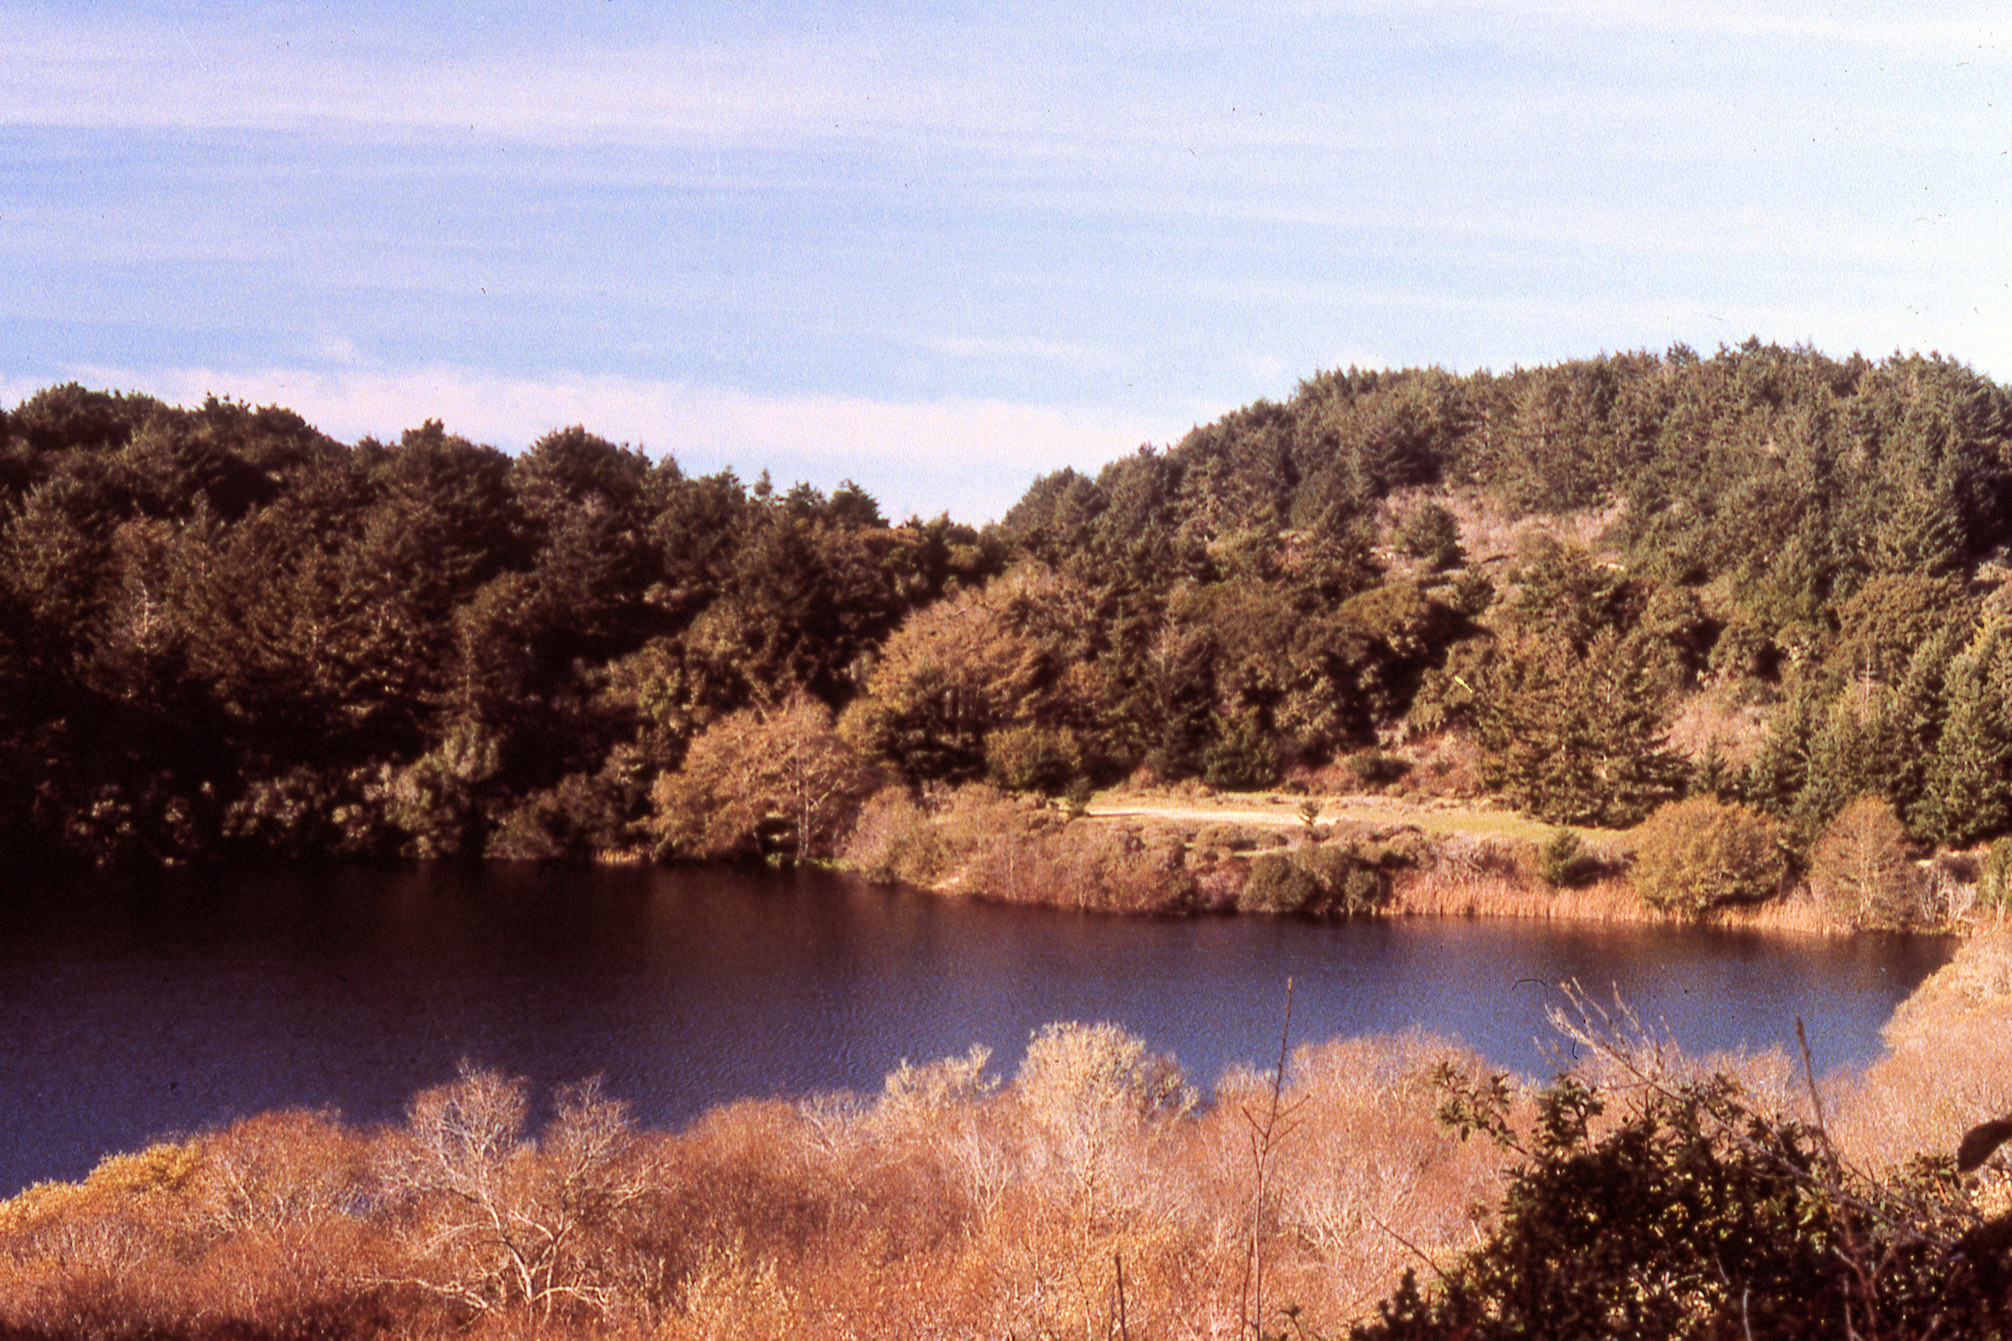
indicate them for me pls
(1277, 884)
(1374, 768)
(1315, 879)
(1563, 861)
(1044, 759)
(1432, 533)
(1696, 855)
(1227, 837)
(1246, 759)
(1695, 1214)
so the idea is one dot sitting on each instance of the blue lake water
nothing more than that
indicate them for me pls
(136, 1008)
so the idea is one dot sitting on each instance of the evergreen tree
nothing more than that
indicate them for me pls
(1966, 789)
(1575, 739)
(1918, 709)
(1852, 752)
(1780, 770)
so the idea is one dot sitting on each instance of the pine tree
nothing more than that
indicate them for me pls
(1780, 769)
(1918, 710)
(1855, 750)
(1966, 791)
(1575, 739)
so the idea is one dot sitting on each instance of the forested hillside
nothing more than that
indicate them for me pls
(1766, 575)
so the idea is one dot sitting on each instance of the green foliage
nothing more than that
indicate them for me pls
(438, 799)
(222, 631)
(1862, 743)
(1373, 768)
(1695, 1214)
(1431, 533)
(1696, 855)
(1277, 884)
(1883, 623)
(1316, 880)
(1246, 759)
(1573, 737)
(1562, 860)
(1966, 785)
(1034, 758)
(1016, 654)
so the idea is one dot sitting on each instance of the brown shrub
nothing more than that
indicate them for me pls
(1861, 871)
(982, 843)
(783, 778)
(950, 1204)
(490, 1221)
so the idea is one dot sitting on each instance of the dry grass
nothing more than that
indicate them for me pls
(1493, 887)
(1491, 534)
(1948, 1061)
(1435, 818)
(1491, 877)
(1721, 719)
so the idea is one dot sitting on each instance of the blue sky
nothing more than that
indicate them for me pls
(941, 249)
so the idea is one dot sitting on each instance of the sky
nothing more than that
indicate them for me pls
(941, 249)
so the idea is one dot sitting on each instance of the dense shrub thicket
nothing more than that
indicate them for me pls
(1767, 575)
(1697, 1215)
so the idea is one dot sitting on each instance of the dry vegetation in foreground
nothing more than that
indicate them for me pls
(954, 1203)
(951, 1204)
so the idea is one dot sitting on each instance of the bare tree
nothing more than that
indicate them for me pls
(492, 1220)
(1861, 870)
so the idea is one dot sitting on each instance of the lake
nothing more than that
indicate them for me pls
(132, 1008)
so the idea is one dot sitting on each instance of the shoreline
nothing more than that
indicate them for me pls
(1191, 853)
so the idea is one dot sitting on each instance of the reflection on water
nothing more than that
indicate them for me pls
(133, 1010)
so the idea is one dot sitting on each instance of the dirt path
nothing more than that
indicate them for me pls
(1277, 811)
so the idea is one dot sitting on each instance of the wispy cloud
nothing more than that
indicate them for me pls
(1891, 28)
(948, 242)
(297, 74)
(1019, 347)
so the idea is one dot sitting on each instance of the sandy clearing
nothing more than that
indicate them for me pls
(1276, 811)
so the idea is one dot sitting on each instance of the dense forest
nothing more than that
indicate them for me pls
(1767, 576)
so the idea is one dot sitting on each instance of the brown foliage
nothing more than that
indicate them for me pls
(489, 1221)
(952, 1203)
(979, 842)
(782, 775)
(1861, 869)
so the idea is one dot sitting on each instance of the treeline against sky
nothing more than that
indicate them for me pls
(1768, 575)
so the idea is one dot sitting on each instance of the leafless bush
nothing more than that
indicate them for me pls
(490, 1220)
(1861, 869)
